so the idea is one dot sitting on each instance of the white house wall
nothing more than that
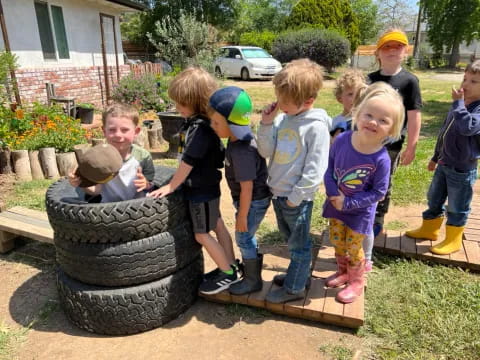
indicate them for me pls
(82, 26)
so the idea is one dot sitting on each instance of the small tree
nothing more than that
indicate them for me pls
(185, 41)
(8, 62)
(263, 39)
(326, 47)
(332, 14)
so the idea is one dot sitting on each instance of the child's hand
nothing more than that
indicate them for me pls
(290, 204)
(269, 112)
(241, 224)
(141, 183)
(74, 179)
(431, 165)
(337, 201)
(163, 191)
(457, 94)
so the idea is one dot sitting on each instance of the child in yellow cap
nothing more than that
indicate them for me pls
(392, 49)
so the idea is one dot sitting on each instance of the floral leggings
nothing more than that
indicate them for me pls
(346, 241)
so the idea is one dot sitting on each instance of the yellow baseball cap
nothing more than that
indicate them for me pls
(397, 36)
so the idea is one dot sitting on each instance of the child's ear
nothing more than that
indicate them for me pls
(309, 102)
(137, 130)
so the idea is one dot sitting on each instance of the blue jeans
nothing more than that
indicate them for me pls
(294, 223)
(246, 241)
(458, 187)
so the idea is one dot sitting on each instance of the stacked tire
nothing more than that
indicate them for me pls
(124, 267)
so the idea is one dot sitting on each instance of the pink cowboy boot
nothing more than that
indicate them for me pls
(355, 285)
(341, 276)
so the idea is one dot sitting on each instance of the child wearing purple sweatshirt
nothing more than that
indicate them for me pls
(356, 179)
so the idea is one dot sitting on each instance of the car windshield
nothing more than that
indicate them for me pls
(255, 53)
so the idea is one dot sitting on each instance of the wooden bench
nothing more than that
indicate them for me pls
(19, 221)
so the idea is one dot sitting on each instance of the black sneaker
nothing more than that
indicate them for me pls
(237, 265)
(219, 283)
(211, 274)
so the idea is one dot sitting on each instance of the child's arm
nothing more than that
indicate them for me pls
(75, 181)
(317, 141)
(266, 131)
(178, 178)
(378, 190)
(466, 123)
(414, 121)
(246, 190)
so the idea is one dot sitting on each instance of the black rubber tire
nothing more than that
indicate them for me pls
(75, 220)
(244, 74)
(129, 310)
(131, 263)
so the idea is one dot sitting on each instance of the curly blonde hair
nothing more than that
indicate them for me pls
(352, 78)
(299, 81)
(382, 90)
(193, 87)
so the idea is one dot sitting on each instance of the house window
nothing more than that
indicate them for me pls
(52, 46)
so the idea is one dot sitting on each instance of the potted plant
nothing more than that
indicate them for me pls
(85, 113)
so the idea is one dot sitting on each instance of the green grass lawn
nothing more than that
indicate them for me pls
(413, 310)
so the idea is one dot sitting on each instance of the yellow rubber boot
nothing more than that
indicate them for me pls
(428, 230)
(452, 242)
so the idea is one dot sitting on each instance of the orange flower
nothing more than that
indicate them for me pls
(19, 114)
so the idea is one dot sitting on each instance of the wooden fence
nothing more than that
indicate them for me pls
(146, 68)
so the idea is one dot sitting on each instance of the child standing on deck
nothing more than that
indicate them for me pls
(391, 51)
(202, 156)
(246, 173)
(455, 164)
(297, 143)
(356, 179)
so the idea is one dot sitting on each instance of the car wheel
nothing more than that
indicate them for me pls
(218, 72)
(245, 75)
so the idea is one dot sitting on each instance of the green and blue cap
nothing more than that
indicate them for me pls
(236, 106)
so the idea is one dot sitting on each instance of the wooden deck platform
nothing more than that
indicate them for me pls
(19, 221)
(319, 303)
(397, 243)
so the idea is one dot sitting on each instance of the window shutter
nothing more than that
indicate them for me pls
(60, 34)
(45, 30)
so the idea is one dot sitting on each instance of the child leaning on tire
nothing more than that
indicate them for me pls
(246, 173)
(455, 163)
(202, 155)
(135, 176)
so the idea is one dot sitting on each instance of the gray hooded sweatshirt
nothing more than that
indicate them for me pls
(298, 150)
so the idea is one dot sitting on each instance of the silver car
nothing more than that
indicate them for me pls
(246, 62)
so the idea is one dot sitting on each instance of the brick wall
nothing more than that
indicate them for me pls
(86, 84)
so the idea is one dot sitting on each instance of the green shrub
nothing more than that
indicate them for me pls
(326, 47)
(263, 39)
(8, 61)
(146, 92)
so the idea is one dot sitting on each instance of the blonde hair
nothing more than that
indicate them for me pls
(299, 81)
(474, 67)
(121, 110)
(386, 32)
(193, 87)
(352, 78)
(382, 90)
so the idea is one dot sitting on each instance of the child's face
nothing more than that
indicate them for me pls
(219, 125)
(392, 53)
(120, 132)
(346, 99)
(291, 108)
(375, 120)
(471, 86)
(184, 110)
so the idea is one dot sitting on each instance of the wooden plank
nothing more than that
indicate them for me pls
(276, 308)
(7, 215)
(408, 245)
(223, 297)
(295, 308)
(354, 313)
(332, 310)
(423, 248)
(257, 299)
(39, 233)
(392, 242)
(324, 269)
(240, 299)
(41, 215)
(315, 302)
(472, 251)
(7, 242)
(379, 241)
(460, 257)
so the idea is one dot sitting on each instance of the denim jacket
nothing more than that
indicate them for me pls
(457, 144)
